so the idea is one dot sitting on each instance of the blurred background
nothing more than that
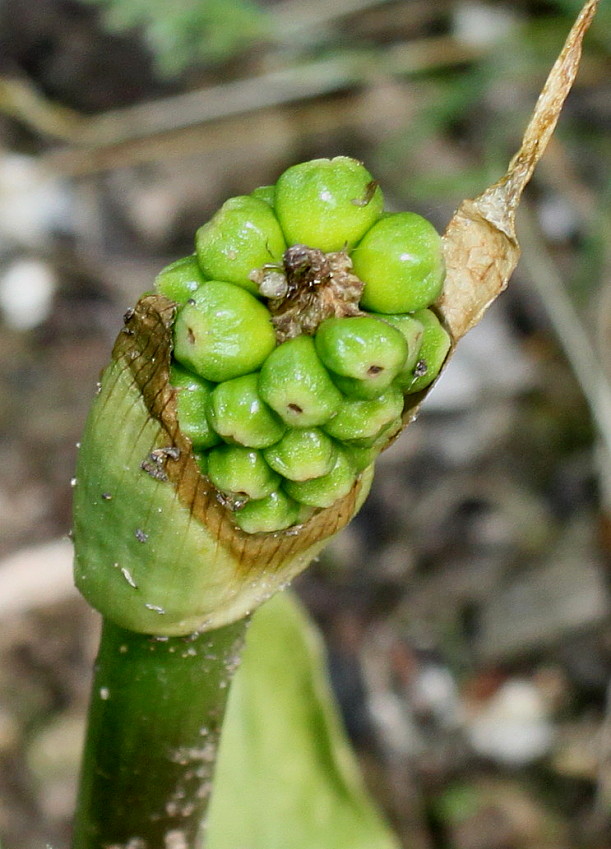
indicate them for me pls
(467, 609)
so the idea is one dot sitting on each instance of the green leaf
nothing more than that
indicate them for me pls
(187, 31)
(286, 775)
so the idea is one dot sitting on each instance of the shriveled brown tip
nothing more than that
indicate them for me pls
(480, 246)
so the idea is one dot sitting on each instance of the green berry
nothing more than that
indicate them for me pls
(192, 397)
(241, 471)
(242, 236)
(365, 354)
(364, 419)
(302, 454)
(273, 513)
(326, 490)
(433, 351)
(295, 384)
(380, 439)
(327, 204)
(363, 452)
(223, 332)
(400, 261)
(237, 412)
(412, 331)
(179, 280)
(266, 193)
(361, 457)
(202, 461)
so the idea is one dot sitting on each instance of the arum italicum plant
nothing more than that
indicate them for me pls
(234, 433)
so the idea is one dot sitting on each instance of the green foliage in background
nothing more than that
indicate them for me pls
(286, 775)
(455, 108)
(600, 30)
(185, 32)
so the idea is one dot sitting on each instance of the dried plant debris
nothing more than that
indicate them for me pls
(480, 245)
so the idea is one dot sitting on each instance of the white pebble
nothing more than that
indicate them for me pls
(26, 293)
(33, 203)
(558, 218)
(482, 25)
(513, 727)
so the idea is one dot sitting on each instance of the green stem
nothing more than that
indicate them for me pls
(156, 709)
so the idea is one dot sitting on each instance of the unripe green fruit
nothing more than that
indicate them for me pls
(273, 513)
(179, 280)
(363, 420)
(364, 353)
(326, 490)
(202, 461)
(327, 204)
(242, 236)
(192, 397)
(361, 457)
(400, 261)
(157, 549)
(223, 332)
(433, 351)
(241, 471)
(412, 332)
(295, 384)
(237, 412)
(363, 452)
(266, 193)
(302, 454)
(380, 439)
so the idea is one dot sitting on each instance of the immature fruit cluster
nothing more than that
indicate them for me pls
(303, 321)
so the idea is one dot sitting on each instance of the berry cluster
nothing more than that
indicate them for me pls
(303, 321)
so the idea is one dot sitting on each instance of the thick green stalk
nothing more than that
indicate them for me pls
(156, 710)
